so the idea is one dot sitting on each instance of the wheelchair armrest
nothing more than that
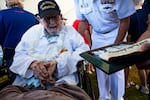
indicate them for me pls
(85, 81)
(80, 70)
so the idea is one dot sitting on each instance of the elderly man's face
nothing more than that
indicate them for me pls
(52, 23)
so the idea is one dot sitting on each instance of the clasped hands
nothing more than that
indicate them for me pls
(44, 71)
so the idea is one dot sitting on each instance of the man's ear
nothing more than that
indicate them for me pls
(38, 17)
(40, 20)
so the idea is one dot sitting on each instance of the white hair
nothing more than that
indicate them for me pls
(13, 3)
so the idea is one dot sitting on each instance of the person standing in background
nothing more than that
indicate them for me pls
(146, 34)
(109, 20)
(14, 21)
(136, 29)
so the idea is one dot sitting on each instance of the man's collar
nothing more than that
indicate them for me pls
(48, 35)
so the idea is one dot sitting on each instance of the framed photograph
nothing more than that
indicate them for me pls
(115, 57)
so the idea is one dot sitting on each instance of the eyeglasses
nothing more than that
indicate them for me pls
(51, 17)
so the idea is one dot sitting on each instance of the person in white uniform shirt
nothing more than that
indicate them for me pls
(109, 20)
(46, 57)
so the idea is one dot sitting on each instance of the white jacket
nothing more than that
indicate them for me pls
(35, 46)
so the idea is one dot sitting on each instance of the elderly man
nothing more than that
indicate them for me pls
(46, 58)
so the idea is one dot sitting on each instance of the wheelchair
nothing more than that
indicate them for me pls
(85, 82)
(6, 76)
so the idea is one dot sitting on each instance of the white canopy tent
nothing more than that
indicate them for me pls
(66, 6)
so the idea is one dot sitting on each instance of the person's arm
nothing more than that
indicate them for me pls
(131, 29)
(124, 9)
(67, 61)
(145, 64)
(22, 58)
(123, 28)
(82, 26)
(78, 47)
(88, 37)
(145, 47)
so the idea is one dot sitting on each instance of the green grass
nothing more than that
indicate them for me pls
(134, 94)
(131, 93)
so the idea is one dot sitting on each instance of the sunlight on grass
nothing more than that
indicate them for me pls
(131, 93)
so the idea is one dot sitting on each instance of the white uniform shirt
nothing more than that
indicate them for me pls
(103, 17)
(34, 45)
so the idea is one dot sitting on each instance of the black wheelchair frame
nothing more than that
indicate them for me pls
(85, 81)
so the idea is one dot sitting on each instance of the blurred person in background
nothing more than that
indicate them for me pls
(14, 21)
(138, 25)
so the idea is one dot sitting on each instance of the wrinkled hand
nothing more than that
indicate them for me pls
(44, 71)
(39, 70)
(51, 67)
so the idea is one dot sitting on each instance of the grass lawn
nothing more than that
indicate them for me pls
(131, 93)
